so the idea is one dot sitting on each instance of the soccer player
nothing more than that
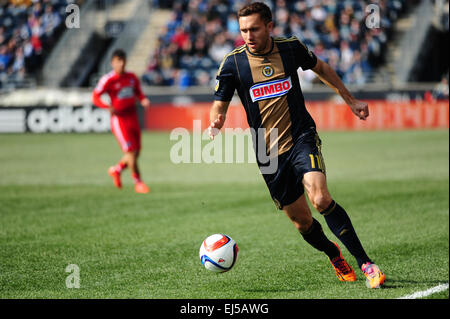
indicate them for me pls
(123, 88)
(264, 73)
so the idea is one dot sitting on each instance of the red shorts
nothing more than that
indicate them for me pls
(127, 131)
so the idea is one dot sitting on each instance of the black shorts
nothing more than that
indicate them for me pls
(285, 185)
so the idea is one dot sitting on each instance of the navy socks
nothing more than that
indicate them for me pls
(341, 226)
(316, 238)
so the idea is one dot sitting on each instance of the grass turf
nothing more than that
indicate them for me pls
(58, 207)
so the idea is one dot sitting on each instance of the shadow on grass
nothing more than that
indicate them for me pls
(273, 289)
(392, 283)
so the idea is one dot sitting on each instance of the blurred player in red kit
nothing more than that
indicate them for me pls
(123, 88)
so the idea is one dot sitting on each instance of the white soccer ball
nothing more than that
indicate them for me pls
(218, 253)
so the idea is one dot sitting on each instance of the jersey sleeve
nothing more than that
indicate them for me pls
(137, 88)
(102, 85)
(305, 58)
(225, 80)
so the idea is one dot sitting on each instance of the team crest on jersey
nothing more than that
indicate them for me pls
(268, 90)
(217, 85)
(267, 71)
(125, 93)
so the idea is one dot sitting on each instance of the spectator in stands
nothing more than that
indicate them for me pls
(318, 13)
(5, 58)
(321, 52)
(18, 66)
(180, 37)
(233, 25)
(50, 22)
(346, 56)
(356, 73)
(2, 34)
(219, 48)
(441, 89)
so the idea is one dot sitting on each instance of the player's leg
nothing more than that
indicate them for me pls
(128, 135)
(139, 185)
(305, 157)
(121, 165)
(287, 192)
(310, 167)
(336, 217)
(312, 232)
(115, 171)
(134, 168)
(118, 129)
(286, 189)
(339, 222)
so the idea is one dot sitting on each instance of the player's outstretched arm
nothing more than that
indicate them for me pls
(330, 78)
(217, 117)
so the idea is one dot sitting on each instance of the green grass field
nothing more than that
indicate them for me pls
(59, 207)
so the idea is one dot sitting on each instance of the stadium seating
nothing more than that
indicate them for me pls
(28, 31)
(200, 32)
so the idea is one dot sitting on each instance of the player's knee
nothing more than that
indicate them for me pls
(305, 225)
(132, 155)
(321, 201)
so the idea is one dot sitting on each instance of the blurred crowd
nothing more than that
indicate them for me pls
(441, 9)
(201, 32)
(28, 30)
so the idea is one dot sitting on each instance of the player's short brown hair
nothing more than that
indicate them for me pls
(120, 54)
(256, 7)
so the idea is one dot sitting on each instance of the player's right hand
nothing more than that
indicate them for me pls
(360, 109)
(215, 126)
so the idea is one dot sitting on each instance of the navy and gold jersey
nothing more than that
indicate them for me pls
(269, 88)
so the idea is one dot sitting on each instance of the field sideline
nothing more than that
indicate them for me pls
(59, 207)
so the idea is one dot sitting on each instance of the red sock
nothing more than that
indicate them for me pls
(120, 166)
(136, 177)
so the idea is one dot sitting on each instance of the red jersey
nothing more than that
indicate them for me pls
(122, 89)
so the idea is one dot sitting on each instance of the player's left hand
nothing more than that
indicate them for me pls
(145, 103)
(360, 109)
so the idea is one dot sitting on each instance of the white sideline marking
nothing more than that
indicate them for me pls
(425, 293)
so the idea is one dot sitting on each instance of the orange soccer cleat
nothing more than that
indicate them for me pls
(140, 187)
(343, 270)
(374, 276)
(115, 176)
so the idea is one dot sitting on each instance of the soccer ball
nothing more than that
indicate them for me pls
(218, 253)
